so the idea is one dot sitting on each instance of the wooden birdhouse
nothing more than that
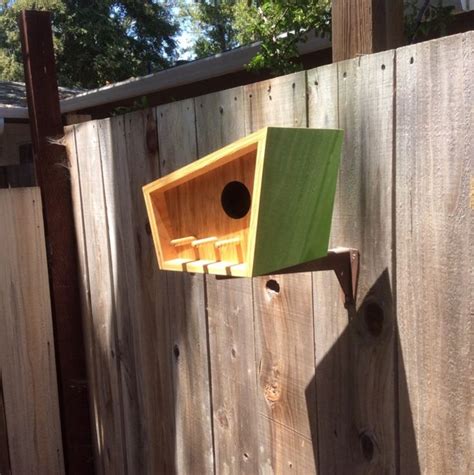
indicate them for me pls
(254, 207)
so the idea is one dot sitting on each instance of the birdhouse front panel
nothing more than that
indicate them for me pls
(254, 207)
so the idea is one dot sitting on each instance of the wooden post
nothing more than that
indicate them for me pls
(54, 180)
(365, 26)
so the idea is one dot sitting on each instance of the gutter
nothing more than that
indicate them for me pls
(198, 70)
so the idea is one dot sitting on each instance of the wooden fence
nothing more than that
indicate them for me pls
(30, 432)
(196, 375)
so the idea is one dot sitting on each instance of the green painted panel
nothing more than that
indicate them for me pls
(298, 187)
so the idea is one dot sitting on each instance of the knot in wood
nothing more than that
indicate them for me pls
(272, 392)
(273, 389)
(222, 418)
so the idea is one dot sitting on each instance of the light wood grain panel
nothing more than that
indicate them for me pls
(434, 248)
(100, 314)
(219, 121)
(355, 377)
(203, 216)
(187, 314)
(27, 361)
(283, 318)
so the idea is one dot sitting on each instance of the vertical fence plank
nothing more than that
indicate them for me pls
(355, 375)
(220, 120)
(113, 152)
(283, 314)
(144, 345)
(107, 399)
(187, 313)
(84, 289)
(330, 320)
(27, 363)
(434, 248)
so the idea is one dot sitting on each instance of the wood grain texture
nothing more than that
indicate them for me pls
(187, 314)
(145, 350)
(434, 248)
(99, 315)
(55, 184)
(27, 363)
(284, 341)
(219, 121)
(69, 141)
(355, 375)
(365, 26)
(296, 200)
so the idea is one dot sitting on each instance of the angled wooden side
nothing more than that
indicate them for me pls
(99, 313)
(219, 121)
(27, 361)
(295, 205)
(283, 313)
(355, 375)
(186, 314)
(434, 237)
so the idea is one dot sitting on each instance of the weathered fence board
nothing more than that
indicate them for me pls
(283, 313)
(354, 374)
(435, 148)
(27, 361)
(219, 121)
(99, 313)
(145, 354)
(240, 376)
(187, 313)
(330, 319)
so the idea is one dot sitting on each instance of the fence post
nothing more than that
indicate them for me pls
(365, 26)
(54, 181)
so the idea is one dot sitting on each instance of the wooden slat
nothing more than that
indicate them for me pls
(72, 145)
(354, 362)
(116, 189)
(435, 148)
(187, 314)
(100, 314)
(219, 121)
(140, 293)
(283, 316)
(330, 320)
(27, 363)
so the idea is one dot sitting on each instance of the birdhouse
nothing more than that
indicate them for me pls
(257, 206)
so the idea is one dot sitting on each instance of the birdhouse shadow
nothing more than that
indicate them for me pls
(358, 401)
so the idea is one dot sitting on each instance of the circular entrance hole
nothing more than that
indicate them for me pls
(235, 199)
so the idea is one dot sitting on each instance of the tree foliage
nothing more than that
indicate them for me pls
(96, 41)
(278, 24)
(212, 24)
(281, 24)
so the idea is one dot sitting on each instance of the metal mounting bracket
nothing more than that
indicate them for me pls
(343, 261)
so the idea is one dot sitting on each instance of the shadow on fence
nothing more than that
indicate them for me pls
(353, 444)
